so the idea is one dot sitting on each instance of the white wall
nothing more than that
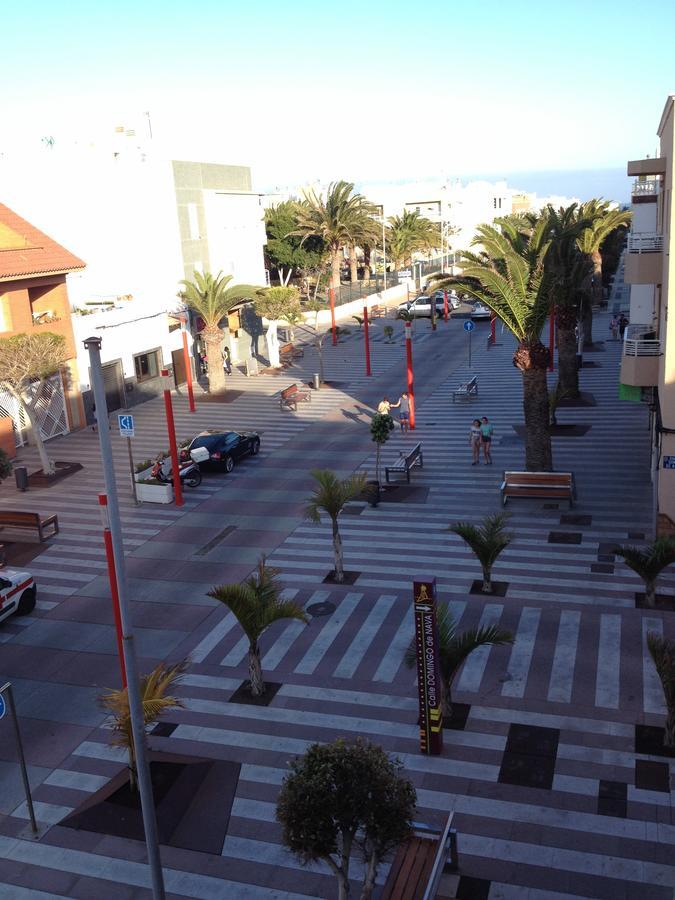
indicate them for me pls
(642, 305)
(236, 235)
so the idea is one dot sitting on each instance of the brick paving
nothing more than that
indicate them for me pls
(578, 665)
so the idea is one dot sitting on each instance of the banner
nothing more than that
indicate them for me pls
(428, 667)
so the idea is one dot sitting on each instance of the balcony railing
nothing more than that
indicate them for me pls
(645, 242)
(641, 347)
(646, 188)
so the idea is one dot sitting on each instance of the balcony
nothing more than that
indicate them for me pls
(641, 357)
(645, 191)
(644, 260)
(639, 167)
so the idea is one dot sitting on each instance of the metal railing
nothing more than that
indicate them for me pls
(446, 856)
(645, 242)
(641, 347)
(355, 290)
(646, 188)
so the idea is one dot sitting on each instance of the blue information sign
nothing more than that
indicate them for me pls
(3, 706)
(126, 423)
(469, 325)
(669, 462)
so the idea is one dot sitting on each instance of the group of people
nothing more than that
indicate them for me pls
(618, 326)
(480, 436)
(385, 407)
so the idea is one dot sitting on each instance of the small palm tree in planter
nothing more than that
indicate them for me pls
(455, 648)
(381, 427)
(256, 605)
(487, 541)
(331, 496)
(662, 651)
(155, 698)
(649, 562)
(388, 332)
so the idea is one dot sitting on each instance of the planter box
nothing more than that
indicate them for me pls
(155, 493)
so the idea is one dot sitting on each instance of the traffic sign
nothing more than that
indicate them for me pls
(469, 325)
(3, 706)
(126, 424)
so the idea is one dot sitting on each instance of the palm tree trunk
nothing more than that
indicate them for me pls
(366, 262)
(669, 736)
(335, 261)
(337, 552)
(214, 360)
(538, 454)
(596, 256)
(487, 580)
(568, 373)
(650, 593)
(587, 322)
(255, 670)
(353, 263)
(377, 462)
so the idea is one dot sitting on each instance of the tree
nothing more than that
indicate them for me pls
(486, 541)
(381, 427)
(339, 797)
(408, 234)
(509, 277)
(212, 299)
(316, 306)
(364, 232)
(285, 252)
(603, 221)
(662, 652)
(649, 562)
(453, 649)
(27, 362)
(277, 304)
(155, 700)
(5, 465)
(331, 496)
(256, 605)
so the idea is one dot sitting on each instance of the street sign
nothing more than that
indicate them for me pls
(469, 325)
(669, 462)
(126, 424)
(428, 667)
(405, 273)
(3, 706)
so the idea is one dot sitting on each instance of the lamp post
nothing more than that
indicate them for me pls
(93, 345)
(171, 428)
(186, 359)
(409, 365)
(366, 338)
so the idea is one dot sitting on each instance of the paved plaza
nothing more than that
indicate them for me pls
(578, 668)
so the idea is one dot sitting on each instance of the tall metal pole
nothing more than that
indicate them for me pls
(366, 338)
(93, 345)
(173, 450)
(188, 366)
(409, 366)
(7, 690)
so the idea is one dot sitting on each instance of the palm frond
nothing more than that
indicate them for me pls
(649, 562)
(486, 540)
(332, 493)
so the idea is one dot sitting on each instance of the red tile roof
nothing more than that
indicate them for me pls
(25, 250)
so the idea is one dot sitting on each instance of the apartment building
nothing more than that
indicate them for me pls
(648, 359)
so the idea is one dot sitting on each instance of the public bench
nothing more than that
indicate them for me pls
(405, 463)
(377, 312)
(288, 351)
(548, 485)
(419, 864)
(292, 395)
(467, 390)
(45, 526)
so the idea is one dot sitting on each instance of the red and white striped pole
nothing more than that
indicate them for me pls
(409, 362)
(112, 577)
(366, 338)
(173, 450)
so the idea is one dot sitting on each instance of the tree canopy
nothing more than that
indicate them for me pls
(285, 249)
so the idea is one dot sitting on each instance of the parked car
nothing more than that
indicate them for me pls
(453, 300)
(221, 450)
(480, 311)
(421, 306)
(18, 593)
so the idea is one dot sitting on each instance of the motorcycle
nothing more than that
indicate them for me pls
(189, 473)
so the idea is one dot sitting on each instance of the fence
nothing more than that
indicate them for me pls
(354, 290)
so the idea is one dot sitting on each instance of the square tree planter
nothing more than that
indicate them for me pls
(154, 493)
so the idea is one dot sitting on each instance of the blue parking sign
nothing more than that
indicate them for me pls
(126, 424)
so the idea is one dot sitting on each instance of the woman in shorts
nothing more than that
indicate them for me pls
(486, 432)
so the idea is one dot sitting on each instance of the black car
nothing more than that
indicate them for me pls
(224, 448)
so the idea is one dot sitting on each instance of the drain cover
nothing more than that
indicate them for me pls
(321, 609)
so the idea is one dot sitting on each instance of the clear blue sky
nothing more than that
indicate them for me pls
(359, 90)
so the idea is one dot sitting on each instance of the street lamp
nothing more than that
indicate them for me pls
(171, 428)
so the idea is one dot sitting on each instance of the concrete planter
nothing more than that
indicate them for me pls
(155, 493)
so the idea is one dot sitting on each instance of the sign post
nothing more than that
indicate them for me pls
(126, 425)
(6, 691)
(428, 667)
(469, 326)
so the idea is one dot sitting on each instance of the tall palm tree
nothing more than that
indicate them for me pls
(212, 299)
(649, 562)
(331, 496)
(487, 541)
(410, 233)
(453, 649)
(365, 232)
(155, 699)
(602, 222)
(256, 605)
(336, 219)
(662, 652)
(508, 276)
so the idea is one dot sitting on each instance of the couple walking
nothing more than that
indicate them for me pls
(480, 435)
(403, 403)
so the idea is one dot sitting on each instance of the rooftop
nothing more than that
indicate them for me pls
(26, 251)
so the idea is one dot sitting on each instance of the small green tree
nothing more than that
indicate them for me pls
(649, 562)
(339, 797)
(287, 253)
(316, 306)
(381, 427)
(454, 649)
(388, 332)
(662, 652)
(256, 605)
(5, 465)
(331, 496)
(277, 304)
(486, 541)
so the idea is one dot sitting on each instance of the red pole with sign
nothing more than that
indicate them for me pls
(551, 340)
(173, 450)
(411, 385)
(366, 339)
(112, 577)
(445, 305)
(188, 369)
(331, 297)
(429, 683)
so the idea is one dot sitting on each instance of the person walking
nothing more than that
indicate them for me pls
(486, 432)
(404, 415)
(385, 406)
(474, 442)
(623, 324)
(614, 328)
(227, 362)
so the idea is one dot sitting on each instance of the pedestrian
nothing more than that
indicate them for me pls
(404, 415)
(486, 432)
(474, 441)
(623, 324)
(385, 406)
(614, 328)
(227, 362)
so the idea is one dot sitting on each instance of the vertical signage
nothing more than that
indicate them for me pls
(428, 667)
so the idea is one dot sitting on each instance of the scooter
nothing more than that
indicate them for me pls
(189, 473)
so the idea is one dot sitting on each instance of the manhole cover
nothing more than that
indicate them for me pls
(321, 609)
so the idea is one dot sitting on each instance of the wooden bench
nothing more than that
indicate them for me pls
(288, 351)
(548, 485)
(405, 463)
(419, 864)
(292, 395)
(377, 312)
(30, 521)
(467, 390)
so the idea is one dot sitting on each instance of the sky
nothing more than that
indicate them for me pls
(386, 91)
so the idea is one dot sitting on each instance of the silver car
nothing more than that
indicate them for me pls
(420, 307)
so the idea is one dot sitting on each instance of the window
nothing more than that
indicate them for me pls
(193, 221)
(494, 202)
(147, 365)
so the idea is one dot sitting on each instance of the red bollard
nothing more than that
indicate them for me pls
(112, 577)
(366, 339)
(411, 386)
(173, 450)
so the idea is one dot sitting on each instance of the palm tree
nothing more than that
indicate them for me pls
(487, 541)
(454, 648)
(603, 221)
(509, 277)
(408, 234)
(256, 605)
(155, 700)
(662, 651)
(331, 497)
(365, 232)
(649, 563)
(212, 299)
